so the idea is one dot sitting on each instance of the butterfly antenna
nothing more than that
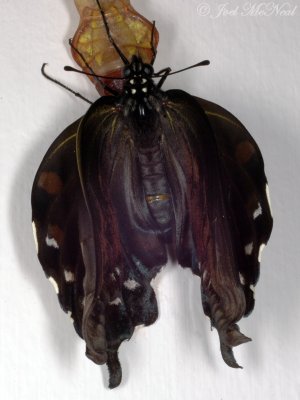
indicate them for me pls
(122, 56)
(71, 69)
(200, 64)
(62, 85)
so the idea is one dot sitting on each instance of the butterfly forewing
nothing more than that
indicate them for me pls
(247, 191)
(56, 198)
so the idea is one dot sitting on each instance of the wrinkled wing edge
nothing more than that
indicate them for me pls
(229, 211)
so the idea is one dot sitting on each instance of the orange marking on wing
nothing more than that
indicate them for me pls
(244, 152)
(50, 182)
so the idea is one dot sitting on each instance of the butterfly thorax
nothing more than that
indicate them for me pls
(139, 89)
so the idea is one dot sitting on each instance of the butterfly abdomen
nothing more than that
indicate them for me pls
(156, 187)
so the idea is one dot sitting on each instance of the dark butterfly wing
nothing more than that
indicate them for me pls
(128, 252)
(243, 170)
(82, 201)
(217, 164)
(56, 196)
(65, 241)
(105, 323)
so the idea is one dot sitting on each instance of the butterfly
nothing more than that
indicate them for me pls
(142, 171)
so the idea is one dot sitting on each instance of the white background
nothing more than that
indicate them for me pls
(254, 73)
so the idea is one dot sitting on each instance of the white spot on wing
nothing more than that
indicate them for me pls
(117, 270)
(242, 279)
(69, 313)
(257, 212)
(262, 246)
(69, 276)
(51, 242)
(35, 237)
(145, 90)
(131, 284)
(249, 249)
(253, 290)
(268, 197)
(138, 327)
(116, 302)
(54, 284)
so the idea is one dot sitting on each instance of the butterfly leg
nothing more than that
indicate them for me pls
(165, 73)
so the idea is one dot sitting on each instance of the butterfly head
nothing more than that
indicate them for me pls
(138, 75)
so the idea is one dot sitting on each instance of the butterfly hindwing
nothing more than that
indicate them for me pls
(224, 220)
